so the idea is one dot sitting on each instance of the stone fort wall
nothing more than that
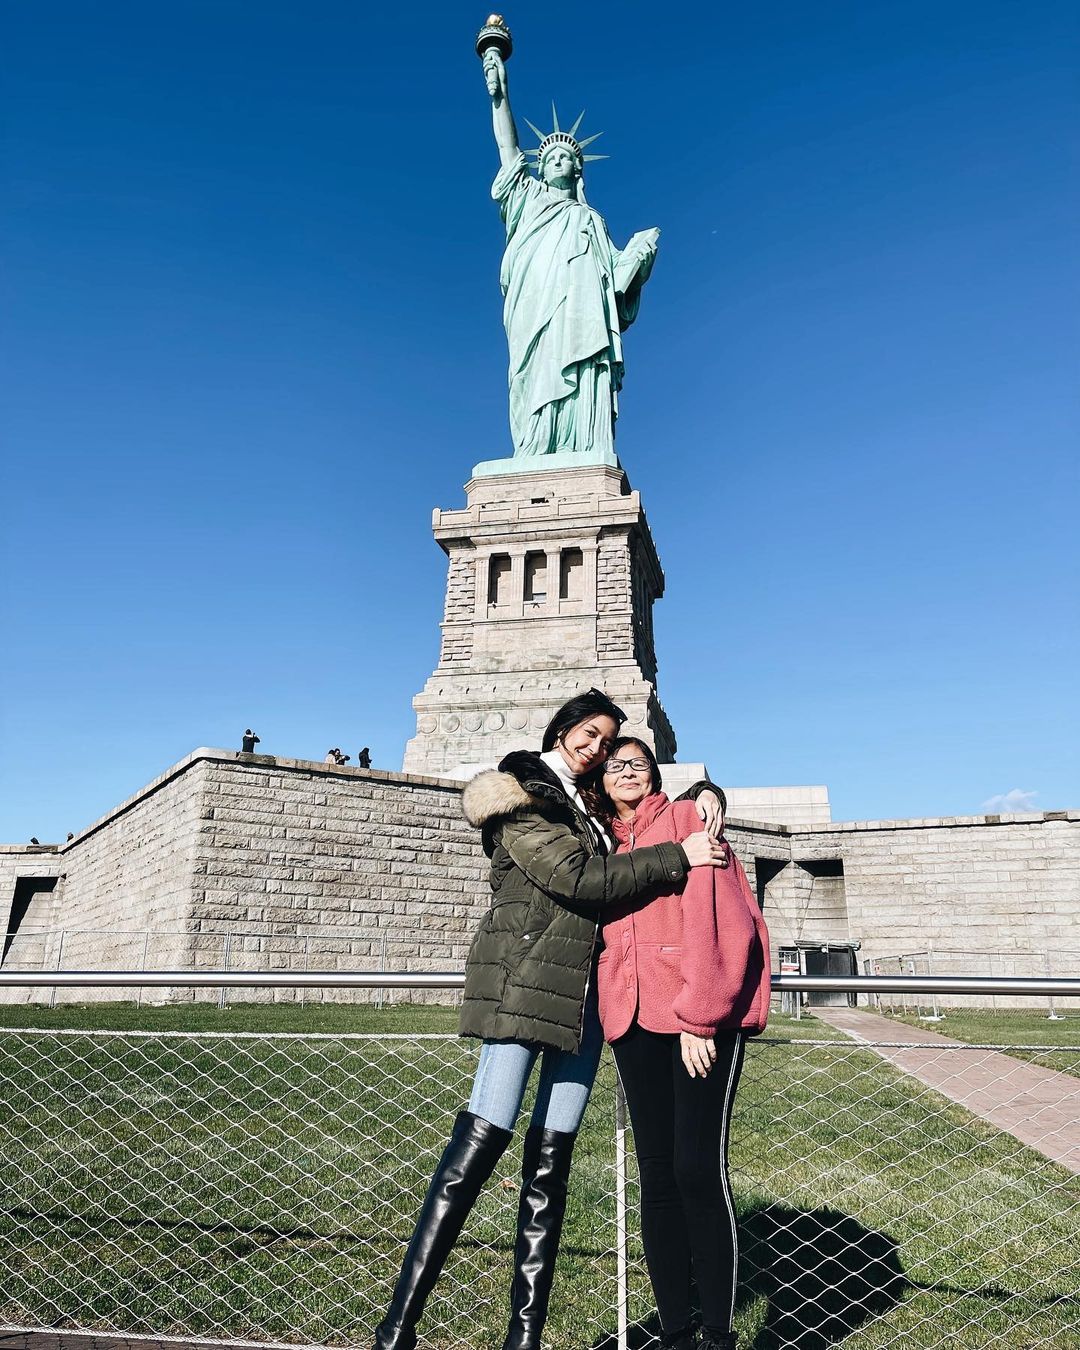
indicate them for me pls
(254, 861)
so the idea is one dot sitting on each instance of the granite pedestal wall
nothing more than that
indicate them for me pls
(29, 875)
(23, 862)
(551, 583)
(968, 895)
(249, 861)
(126, 876)
(334, 869)
(289, 864)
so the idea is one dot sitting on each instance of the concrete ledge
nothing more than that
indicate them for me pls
(939, 822)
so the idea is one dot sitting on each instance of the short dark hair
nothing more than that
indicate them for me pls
(622, 742)
(593, 703)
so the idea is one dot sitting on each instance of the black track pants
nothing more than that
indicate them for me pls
(680, 1135)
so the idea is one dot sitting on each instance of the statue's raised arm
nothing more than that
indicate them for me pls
(569, 293)
(494, 46)
(502, 119)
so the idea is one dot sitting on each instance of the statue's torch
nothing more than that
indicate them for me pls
(494, 35)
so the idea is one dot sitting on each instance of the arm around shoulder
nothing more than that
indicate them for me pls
(554, 859)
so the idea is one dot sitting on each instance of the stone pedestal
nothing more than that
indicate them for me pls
(552, 579)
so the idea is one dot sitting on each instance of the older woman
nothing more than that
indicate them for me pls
(682, 981)
(529, 995)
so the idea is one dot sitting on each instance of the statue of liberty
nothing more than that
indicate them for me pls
(569, 293)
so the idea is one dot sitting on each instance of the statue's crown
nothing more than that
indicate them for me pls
(559, 137)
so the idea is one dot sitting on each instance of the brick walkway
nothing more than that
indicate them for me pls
(1038, 1106)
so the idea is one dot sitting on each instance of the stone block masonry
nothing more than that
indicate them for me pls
(990, 895)
(550, 586)
(260, 862)
(29, 876)
(126, 874)
(24, 862)
(296, 850)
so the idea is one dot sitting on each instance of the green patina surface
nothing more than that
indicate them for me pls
(569, 294)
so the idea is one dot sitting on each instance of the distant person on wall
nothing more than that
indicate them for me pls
(363, 759)
(249, 742)
(336, 758)
(530, 994)
(682, 980)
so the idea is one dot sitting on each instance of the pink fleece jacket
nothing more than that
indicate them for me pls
(692, 960)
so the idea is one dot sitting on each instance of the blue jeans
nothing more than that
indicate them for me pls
(565, 1079)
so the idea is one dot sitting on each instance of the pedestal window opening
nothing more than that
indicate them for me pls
(499, 580)
(535, 577)
(571, 575)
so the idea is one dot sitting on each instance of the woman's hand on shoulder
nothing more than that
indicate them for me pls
(710, 810)
(698, 1054)
(702, 850)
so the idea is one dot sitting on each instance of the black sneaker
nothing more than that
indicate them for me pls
(686, 1339)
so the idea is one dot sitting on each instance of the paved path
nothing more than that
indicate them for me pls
(1038, 1106)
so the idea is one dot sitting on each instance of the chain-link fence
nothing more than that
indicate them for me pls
(262, 1187)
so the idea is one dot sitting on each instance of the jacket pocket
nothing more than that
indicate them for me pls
(666, 964)
(531, 923)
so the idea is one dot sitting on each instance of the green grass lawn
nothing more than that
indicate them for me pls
(291, 1017)
(1009, 1027)
(986, 1026)
(262, 1186)
(315, 1017)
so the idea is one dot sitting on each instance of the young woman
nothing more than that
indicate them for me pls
(682, 981)
(529, 994)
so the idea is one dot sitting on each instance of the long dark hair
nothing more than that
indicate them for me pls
(593, 703)
(591, 788)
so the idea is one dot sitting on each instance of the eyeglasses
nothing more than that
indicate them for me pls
(616, 766)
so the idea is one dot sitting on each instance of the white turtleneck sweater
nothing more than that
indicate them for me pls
(568, 778)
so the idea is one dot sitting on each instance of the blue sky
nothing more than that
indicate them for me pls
(252, 336)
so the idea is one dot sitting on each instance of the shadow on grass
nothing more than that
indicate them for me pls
(821, 1273)
(246, 1238)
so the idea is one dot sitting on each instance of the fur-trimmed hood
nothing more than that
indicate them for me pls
(522, 780)
(492, 794)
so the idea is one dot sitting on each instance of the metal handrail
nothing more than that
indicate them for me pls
(386, 979)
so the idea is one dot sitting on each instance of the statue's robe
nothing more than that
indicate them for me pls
(569, 294)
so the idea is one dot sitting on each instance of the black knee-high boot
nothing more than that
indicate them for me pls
(467, 1162)
(545, 1166)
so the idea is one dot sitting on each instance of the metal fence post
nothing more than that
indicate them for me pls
(379, 1000)
(935, 1015)
(227, 949)
(622, 1291)
(145, 948)
(1053, 1015)
(59, 962)
(307, 967)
